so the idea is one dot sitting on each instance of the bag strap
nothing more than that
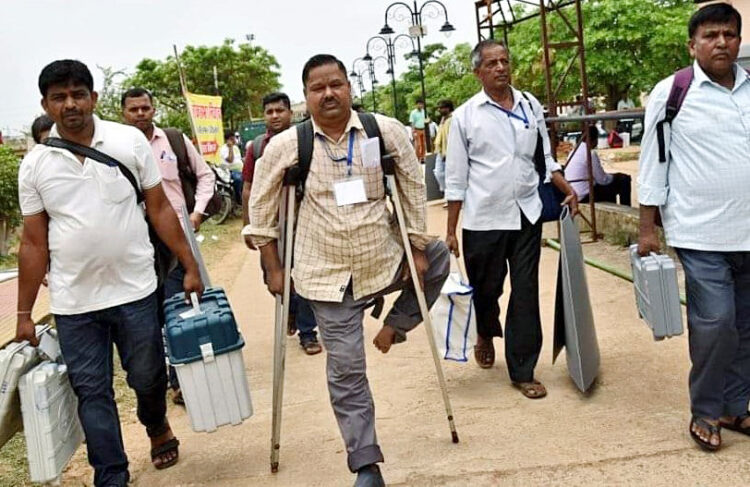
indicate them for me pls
(680, 86)
(258, 147)
(97, 156)
(539, 162)
(188, 179)
(305, 140)
(372, 129)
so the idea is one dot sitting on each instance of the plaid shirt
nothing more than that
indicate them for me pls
(333, 243)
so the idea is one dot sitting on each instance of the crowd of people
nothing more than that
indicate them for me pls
(106, 291)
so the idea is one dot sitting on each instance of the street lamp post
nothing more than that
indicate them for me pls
(417, 30)
(358, 75)
(390, 52)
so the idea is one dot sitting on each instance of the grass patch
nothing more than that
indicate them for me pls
(14, 469)
(219, 239)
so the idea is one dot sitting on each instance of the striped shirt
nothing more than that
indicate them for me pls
(336, 244)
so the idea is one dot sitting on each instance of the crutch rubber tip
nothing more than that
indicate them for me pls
(275, 467)
(454, 435)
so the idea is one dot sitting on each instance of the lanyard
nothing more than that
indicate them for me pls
(349, 154)
(510, 114)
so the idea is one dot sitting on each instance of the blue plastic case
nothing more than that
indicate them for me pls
(215, 325)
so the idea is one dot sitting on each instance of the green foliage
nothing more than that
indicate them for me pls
(9, 209)
(245, 74)
(447, 74)
(629, 44)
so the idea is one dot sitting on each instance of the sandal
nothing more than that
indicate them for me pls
(532, 390)
(484, 354)
(168, 447)
(712, 430)
(736, 425)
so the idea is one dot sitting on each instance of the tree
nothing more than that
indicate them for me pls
(630, 44)
(245, 74)
(10, 214)
(448, 74)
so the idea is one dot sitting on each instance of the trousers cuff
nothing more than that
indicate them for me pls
(365, 456)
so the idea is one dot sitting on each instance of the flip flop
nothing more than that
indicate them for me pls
(736, 425)
(532, 390)
(712, 430)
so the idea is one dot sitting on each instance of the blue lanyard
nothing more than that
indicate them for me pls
(510, 114)
(349, 154)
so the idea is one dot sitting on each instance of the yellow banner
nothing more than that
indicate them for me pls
(205, 112)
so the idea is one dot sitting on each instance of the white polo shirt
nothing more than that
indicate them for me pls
(100, 253)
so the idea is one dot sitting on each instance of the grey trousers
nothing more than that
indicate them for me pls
(718, 309)
(340, 326)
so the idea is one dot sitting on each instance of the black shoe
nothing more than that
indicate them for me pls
(369, 476)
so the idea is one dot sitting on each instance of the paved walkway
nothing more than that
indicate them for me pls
(630, 430)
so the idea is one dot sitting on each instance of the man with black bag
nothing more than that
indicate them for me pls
(80, 196)
(498, 153)
(346, 252)
(187, 181)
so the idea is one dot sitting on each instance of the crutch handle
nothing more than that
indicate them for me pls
(388, 164)
(292, 176)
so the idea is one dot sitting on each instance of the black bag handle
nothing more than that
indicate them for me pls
(97, 156)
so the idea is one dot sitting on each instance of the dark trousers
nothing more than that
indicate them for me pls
(173, 285)
(304, 318)
(619, 187)
(718, 308)
(86, 341)
(488, 256)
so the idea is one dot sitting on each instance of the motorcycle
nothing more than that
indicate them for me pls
(229, 203)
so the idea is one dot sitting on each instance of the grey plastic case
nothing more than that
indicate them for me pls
(657, 294)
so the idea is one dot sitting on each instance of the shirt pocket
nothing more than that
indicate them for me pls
(168, 168)
(114, 187)
(526, 140)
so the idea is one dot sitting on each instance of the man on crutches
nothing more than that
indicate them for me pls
(347, 251)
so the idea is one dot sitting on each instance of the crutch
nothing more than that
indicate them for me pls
(389, 170)
(285, 246)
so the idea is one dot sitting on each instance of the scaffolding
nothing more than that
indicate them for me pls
(499, 16)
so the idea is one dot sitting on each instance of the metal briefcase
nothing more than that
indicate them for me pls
(657, 294)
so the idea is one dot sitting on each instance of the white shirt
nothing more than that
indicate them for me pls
(704, 189)
(489, 162)
(100, 253)
(235, 165)
(577, 171)
(626, 104)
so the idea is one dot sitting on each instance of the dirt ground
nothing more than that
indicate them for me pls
(631, 429)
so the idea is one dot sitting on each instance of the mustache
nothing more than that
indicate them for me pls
(328, 99)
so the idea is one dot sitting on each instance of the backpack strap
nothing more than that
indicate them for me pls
(258, 147)
(305, 139)
(680, 86)
(188, 179)
(372, 129)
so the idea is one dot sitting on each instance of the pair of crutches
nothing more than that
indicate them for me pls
(286, 239)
